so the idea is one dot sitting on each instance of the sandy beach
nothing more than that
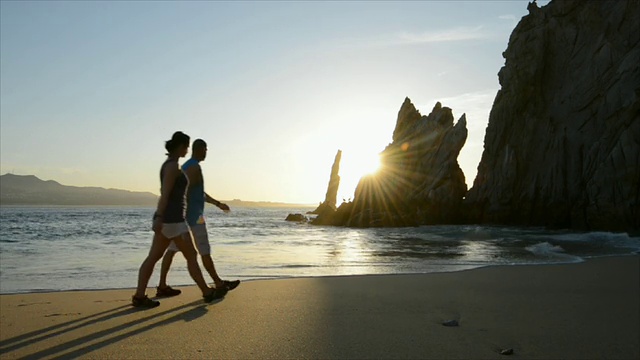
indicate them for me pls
(575, 311)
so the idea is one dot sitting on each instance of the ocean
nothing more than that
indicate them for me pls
(82, 248)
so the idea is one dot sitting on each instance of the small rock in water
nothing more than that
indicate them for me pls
(296, 217)
(451, 323)
(506, 352)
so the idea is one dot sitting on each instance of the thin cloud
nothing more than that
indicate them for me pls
(509, 17)
(409, 38)
(456, 34)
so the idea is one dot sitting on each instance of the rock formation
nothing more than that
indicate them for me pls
(329, 203)
(420, 181)
(562, 147)
(296, 218)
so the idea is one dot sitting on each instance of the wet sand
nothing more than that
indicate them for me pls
(574, 311)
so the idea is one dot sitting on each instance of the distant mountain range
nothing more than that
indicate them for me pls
(30, 190)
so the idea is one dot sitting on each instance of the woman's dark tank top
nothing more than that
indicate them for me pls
(175, 210)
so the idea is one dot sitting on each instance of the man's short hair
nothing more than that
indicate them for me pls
(198, 144)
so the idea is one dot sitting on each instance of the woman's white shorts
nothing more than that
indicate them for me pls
(200, 237)
(173, 230)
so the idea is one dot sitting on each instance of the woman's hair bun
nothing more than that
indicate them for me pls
(179, 138)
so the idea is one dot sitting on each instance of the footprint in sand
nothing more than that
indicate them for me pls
(40, 303)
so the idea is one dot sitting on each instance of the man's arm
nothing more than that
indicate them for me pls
(215, 202)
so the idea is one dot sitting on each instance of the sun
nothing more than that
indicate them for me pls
(353, 166)
(367, 165)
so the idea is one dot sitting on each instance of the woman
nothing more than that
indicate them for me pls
(169, 225)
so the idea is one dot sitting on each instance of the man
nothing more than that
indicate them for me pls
(196, 198)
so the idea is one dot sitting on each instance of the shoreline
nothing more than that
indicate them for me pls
(571, 311)
(268, 278)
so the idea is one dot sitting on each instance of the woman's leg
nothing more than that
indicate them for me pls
(185, 245)
(167, 259)
(158, 247)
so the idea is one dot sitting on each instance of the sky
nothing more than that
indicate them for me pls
(90, 90)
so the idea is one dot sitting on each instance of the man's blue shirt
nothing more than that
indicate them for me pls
(195, 198)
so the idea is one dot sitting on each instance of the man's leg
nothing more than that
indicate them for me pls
(201, 238)
(207, 262)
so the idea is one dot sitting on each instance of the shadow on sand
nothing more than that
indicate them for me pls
(85, 344)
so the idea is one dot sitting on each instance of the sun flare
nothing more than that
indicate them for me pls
(354, 166)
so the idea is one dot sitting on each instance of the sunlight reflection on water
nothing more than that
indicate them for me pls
(88, 248)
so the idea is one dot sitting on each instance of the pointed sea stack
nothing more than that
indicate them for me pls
(328, 206)
(420, 181)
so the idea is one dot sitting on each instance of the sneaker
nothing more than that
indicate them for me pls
(167, 292)
(231, 284)
(144, 302)
(215, 295)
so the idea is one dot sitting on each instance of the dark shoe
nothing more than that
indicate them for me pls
(231, 284)
(167, 292)
(144, 302)
(215, 295)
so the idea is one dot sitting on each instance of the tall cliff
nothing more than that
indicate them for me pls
(562, 147)
(420, 181)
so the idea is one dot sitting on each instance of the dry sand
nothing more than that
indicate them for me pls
(575, 311)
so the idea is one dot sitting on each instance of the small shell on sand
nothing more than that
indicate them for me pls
(506, 352)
